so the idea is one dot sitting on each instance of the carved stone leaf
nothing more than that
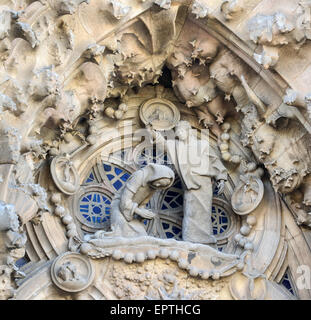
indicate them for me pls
(144, 46)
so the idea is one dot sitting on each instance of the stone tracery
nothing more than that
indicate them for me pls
(74, 95)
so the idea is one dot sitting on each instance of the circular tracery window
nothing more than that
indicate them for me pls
(220, 220)
(94, 208)
(173, 197)
(221, 223)
(92, 205)
(115, 176)
(152, 155)
(172, 230)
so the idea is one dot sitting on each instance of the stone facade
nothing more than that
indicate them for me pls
(155, 149)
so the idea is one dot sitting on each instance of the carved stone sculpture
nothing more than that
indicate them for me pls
(64, 175)
(160, 114)
(249, 193)
(196, 165)
(128, 209)
(72, 272)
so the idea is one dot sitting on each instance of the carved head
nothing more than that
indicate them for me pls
(161, 183)
(158, 176)
(183, 130)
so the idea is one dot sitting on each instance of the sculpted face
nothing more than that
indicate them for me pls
(161, 183)
(181, 133)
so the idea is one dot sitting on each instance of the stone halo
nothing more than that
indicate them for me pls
(160, 113)
(79, 270)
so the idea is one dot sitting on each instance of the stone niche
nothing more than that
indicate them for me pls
(155, 150)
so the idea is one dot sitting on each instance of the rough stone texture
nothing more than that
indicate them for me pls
(88, 92)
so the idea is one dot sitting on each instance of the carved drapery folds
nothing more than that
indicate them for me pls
(87, 91)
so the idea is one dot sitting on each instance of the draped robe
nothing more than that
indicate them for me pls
(136, 193)
(197, 165)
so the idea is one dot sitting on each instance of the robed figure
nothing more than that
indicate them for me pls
(197, 166)
(128, 208)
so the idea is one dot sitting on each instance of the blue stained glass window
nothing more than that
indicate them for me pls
(118, 185)
(165, 225)
(152, 155)
(215, 190)
(287, 283)
(169, 235)
(173, 198)
(171, 230)
(116, 176)
(177, 184)
(91, 178)
(220, 220)
(95, 209)
(107, 167)
(125, 177)
(110, 176)
(176, 230)
(118, 171)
